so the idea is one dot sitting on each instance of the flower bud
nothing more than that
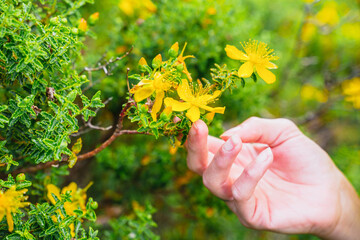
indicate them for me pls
(83, 25)
(64, 21)
(174, 50)
(75, 31)
(94, 205)
(157, 61)
(94, 18)
(54, 21)
(180, 67)
(83, 77)
(142, 64)
(20, 177)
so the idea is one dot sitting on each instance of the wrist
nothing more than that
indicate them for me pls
(347, 225)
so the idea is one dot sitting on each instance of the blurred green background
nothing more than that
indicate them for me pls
(317, 87)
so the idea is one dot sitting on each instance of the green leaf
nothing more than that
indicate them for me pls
(96, 101)
(52, 229)
(3, 120)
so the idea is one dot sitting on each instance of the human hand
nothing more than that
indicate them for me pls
(275, 178)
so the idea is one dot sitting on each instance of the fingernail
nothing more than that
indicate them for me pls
(194, 129)
(230, 132)
(231, 143)
(264, 155)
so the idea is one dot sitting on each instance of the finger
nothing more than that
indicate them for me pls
(272, 132)
(216, 176)
(243, 188)
(196, 145)
(214, 144)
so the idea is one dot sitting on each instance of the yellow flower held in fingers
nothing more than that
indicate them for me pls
(193, 101)
(146, 88)
(257, 55)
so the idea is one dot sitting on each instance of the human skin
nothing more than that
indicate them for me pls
(275, 178)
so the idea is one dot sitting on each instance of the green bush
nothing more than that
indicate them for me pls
(67, 113)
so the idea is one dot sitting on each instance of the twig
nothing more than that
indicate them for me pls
(106, 64)
(127, 79)
(118, 132)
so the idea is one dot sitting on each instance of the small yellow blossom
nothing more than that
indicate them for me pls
(193, 101)
(82, 25)
(145, 160)
(351, 31)
(309, 92)
(174, 149)
(78, 199)
(94, 16)
(185, 179)
(146, 88)
(308, 31)
(328, 14)
(351, 90)
(257, 55)
(211, 11)
(10, 202)
(143, 8)
(181, 61)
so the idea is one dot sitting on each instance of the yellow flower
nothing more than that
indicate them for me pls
(146, 88)
(143, 8)
(78, 199)
(308, 31)
(328, 14)
(351, 90)
(351, 31)
(181, 61)
(257, 55)
(211, 11)
(309, 92)
(10, 202)
(193, 101)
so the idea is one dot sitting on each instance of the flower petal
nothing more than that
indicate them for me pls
(193, 113)
(265, 74)
(246, 70)
(10, 221)
(157, 104)
(176, 105)
(51, 188)
(184, 91)
(235, 53)
(270, 65)
(215, 109)
(143, 93)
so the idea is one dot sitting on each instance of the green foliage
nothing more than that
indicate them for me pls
(53, 76)
(130, 227)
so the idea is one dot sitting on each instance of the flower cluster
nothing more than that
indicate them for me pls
(166, 100)
(10, 202)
